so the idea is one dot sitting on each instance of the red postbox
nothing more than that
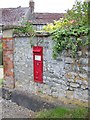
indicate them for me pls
(38, 63)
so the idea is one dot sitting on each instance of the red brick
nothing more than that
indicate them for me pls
(8, 62)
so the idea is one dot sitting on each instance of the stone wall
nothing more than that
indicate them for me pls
(23, 60)
(65, 77)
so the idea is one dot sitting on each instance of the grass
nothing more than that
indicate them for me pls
(63, 113)
(0, 45)
(1, 82)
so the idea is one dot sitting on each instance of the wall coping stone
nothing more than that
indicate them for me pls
(37, 34)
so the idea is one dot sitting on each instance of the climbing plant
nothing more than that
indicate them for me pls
(70, 32)
(25, 27)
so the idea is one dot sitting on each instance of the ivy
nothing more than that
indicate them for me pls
(70, 32)
(70, 38)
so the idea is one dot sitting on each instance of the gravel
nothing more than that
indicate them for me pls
(12, 110)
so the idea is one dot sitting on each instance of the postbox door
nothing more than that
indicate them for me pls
(38, 64)
(38, 72)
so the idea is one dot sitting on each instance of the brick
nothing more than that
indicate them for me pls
(8, 62)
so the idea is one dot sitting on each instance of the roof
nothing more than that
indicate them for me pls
(11, 16)
(44, 18)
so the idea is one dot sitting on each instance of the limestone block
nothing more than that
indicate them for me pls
(79, 81)
(81, 94)
(69, 60)
(64, 87)
(85, 94)
(71, 75)
(74, 85)
(44, 77)
(51, 84)
(85, 68)
(71, 80)
(83, 87)
(47, 91)
(79, 53)
(78, 94)
(76, 68)
(84, 76)
(70, 88)
(54, 89)
(61, 81)
(74, 73)
(85, 82)
(61, 93)
(67, 67)
(70, 94)
(68, 83)
(83, 61)
(54, 80)
(54, 94)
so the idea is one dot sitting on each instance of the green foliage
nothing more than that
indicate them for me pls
(71, 38)
(53, 113)
(25, 27)
(0, 45)
(1, 82)
(70, 32)
(80, 113)
(64, 113)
